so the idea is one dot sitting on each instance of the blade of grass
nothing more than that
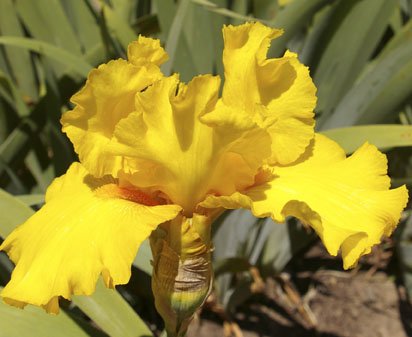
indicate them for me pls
(198, 34)
(13, 212)
(34, 322)
(174, 35)
(265, 9)
(118, 26)
(12, 96)
(143, 258)
(346, 45)
(382, 89)
(16, 146)
(19, 60)
(210, 6)
(291, 19)
(382, 136)
(78, 64)
(84, 23)
(112, 313)
(31, 199)
(33, 164)
(46, 21)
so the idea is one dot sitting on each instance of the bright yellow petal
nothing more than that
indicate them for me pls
(107, 97)
(279, 92)
(86, 228)
(172, 149)
(346, 201)
(146, 50)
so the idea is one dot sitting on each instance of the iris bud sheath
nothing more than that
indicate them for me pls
(182, 270)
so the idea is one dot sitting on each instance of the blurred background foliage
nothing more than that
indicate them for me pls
(360, 56)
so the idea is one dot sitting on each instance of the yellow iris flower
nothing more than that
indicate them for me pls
(158, 153)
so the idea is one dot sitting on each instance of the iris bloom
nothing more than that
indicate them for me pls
(160, 159)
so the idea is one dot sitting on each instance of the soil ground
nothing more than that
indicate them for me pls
(315, 297)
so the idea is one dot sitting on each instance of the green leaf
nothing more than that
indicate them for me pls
(382, 136)
(403, 37)
(230, 265)
(13, 212)
(174, 35)
(112, 313)
(123, 8)
(211, 6)
(12, 96)
(292, 19)
(19, 60)
(282, 243)
(17, 144)
(118, 26)
(198, 34)
(34, 322)
(143, 258)
(31, 199)
(46, 21)
(265, 9)
(55, 29)
(84, 23)
(33, 164)
(354, 31)
(381, 90)
(76, 63)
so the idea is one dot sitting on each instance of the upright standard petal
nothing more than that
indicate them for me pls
(107, 97)
(146, 51)
(171, 149)
(88, 227)
(278, 92)
(347, 201)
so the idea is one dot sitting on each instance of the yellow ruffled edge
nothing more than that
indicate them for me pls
(350, 214)
(87, 228)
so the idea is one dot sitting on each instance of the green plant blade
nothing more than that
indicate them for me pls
(403, 37)
(47, 21)
(31, 199)
(174, 34)
(291, 19)
(211, 6)
(34, 322)
(265, 9)
(144, 257)
(382, 89)
(13, 212)
(84, 24)
(382, 136)
(347, 43)
(118, 27)
(62, 56)
(19, 60)
(112, 313)
(11, 94)
(230, 265)
(197, 31)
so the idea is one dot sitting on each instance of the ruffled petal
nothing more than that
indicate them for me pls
(278, 92)
(145, 51)
(107, 97)
(347, 201)
(171, 148)
(88, 227)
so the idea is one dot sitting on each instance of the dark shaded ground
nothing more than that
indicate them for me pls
(315, 297)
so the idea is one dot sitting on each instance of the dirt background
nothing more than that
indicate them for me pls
(315, 297)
